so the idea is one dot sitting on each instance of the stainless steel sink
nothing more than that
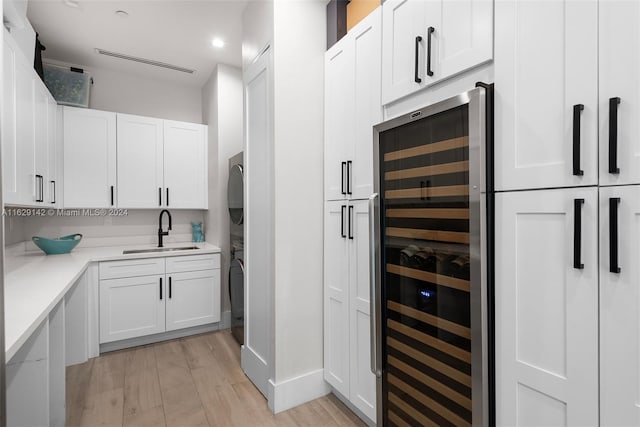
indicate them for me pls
(142, 251)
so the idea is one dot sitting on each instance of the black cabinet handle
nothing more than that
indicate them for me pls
(167, 196)
(342, 210)
(54, 192)
(416, 77)
(112, 195)
(351, 222)
(613, 135)
(577, 233)
(169, 287)
(39, 189)
(577, 110)
(349, 162)
(613, 234)
(430, 31)
(421, 190)
(159, 196)
(342, 190)
(161, 288)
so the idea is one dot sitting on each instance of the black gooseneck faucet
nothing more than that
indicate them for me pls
(160, 232)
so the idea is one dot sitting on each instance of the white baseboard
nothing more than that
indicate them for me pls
(255, 368)
(225, 320)
(296, 391)
(353, 408)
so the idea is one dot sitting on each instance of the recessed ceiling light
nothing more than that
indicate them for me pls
(217, 42)
(122, 13)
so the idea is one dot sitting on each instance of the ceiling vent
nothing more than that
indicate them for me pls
(145, 61)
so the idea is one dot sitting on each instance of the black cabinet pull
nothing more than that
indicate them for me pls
(39, 189)
(342, 210)
(421, 190)
(342, 190)
(54, 192)
(416, 77)
(577, 233)
(577, 110)
(430, 31)
(167, 196)
(349, 162)
(159, 196)
(169, 287)
(613, 235)
(112, 195)
(161, 288)
(351, 222)
(613, 135)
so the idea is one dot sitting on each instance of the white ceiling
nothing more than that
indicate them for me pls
(178, 32)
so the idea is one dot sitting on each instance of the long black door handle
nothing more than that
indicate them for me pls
(169, 287)
(351, 222)
(54, 192)
(159, 196)
(577, 233)
(613, 234)
(39, 191)
(349, 163)
(342, 190)
(342, 211)
(416, 66)
(167, 196)
(613, 135)
(112, 195)
(161, 288)
(430, 31)
(577, 112)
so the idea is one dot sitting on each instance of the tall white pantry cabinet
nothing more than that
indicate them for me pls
(352, 108)
(568, 246)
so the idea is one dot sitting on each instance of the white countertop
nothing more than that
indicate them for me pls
(34, 283)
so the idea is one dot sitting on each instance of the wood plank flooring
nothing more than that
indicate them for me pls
(194, 381)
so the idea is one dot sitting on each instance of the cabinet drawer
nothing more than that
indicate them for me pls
(193, 263)
(131, 268)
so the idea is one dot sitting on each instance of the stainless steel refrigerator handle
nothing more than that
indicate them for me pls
(373, 281)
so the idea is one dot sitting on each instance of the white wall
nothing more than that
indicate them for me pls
(257, 30)
(299, 46)
(131, 94)
(222, 111)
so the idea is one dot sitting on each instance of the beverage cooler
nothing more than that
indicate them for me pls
(429, 265)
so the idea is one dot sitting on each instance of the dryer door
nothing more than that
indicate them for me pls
(235, 194)
(236, 294)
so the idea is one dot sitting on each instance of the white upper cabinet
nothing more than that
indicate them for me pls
(546, 79)
(89, 158)
(425, 42)
(352, 108)
(185, 165)
(140, 161)
(10, 149)
(619, 41)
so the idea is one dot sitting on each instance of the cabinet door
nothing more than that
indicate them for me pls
(403, 54)
(620, 306)
(185, 165)
(132, 307)
(25, 180)
(193, 299)
(52, 184)
(462, 36)
(545, 66)
(619, 69)
(546, 309)
(10, 148)
(89, 158)
(336, 297)
(339, 116)
(41, 140)
(139, 164)
(367, 103)
(363, 381)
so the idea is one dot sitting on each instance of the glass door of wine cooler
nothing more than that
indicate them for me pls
(430, 287)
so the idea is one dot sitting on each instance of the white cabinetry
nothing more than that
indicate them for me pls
(546, 85)
(139, 164)
(425, 42)
(347, 322)
(352, 107)
(89, 158)
(149, 296)
(546, 308)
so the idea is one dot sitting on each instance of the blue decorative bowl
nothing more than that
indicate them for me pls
(63, 245)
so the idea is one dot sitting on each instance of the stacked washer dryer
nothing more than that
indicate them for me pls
(235, 199)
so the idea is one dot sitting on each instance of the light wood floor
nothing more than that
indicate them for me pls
(195, 381)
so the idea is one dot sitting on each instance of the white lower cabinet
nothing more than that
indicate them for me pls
(346, 301)
(143, 297)
(547, 309)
